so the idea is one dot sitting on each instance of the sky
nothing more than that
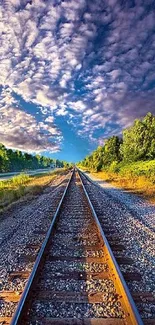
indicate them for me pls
(74, 72)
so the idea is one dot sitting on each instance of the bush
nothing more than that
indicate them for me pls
(141, 168)
(20, 179)
(114, 167)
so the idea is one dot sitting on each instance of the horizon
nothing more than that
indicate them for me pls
(74, 162)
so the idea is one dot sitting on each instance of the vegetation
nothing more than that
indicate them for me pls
(137, 144)
(128, 161)
(139, 177)
(139, 140)
(21, 185)
(15, 160)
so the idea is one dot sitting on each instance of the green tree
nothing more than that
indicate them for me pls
(4, 161)
(112, 150)
(97, 158)
(15, 160)
(139, 140)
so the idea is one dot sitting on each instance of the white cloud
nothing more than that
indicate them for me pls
(49, 119)
(84, 56)
(20, 130)
(43, 99)
(77, 106)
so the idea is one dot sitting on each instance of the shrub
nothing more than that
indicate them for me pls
(20, 179)
(141, 168)
(114, 167)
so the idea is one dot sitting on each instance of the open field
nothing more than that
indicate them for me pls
(23, 184)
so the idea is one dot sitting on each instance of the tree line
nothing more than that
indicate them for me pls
(15, 160)
(136, 144)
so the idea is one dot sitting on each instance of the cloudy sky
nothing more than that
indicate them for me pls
(74, 72)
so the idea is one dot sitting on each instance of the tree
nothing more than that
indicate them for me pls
(97, 158)
(139, 140)
(138, 143)
(112, 150)
(15, 160)
(4, 161)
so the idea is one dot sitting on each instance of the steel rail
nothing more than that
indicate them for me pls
(24, 301)
(133, 312)
(53, 192)
(25, 295)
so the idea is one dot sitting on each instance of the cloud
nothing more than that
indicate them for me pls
(49, 119)
(114, 74)
(92, 59)
(20, 130)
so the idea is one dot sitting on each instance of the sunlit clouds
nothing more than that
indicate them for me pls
(90, 62)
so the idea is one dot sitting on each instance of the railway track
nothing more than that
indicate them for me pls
(143, 297)
(57, 187)
(75, 279)
(14, 277)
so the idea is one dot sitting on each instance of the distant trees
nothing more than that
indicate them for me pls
(138, 143)
(104, 156)
(4, 162)
(15, 160)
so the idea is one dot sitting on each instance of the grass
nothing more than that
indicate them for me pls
(138, 178)
(13, 189)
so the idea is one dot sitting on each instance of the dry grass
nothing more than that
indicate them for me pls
(24, 185)
(136, 184)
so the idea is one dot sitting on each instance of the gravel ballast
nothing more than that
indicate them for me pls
(133, 219)
(23, 224)
(27, 224)
(73, 287)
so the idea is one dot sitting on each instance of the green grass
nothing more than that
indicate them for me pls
(137, 177)
(141, 168)
(14, 182)
(13, 189)
(133, 170)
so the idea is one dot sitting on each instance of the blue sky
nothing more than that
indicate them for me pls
(73, 73)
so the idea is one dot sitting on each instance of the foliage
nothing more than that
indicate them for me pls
(20, 179)
(114, 167)
(112, 151)
(15, 160)
(140, 168)
(137, 144)
(139, 140)
(103, 156)
(4, 161)
(137, 177)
